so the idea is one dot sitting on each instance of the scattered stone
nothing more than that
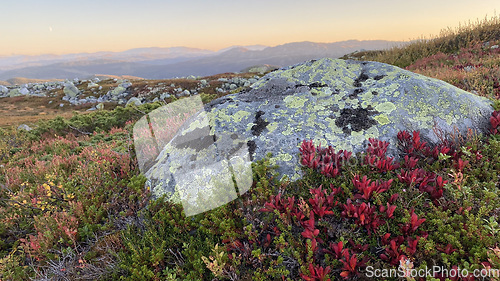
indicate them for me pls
(70, 90)
(118, 91)
(61, 105)
(100, 106)
(134, 101)
(24, 91)
(3, 89)
(14, 93)
(24, 127)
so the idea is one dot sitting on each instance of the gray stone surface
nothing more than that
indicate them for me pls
(333, 102)
(24, 127)
(134, 101)
(70, 90)
(3, 89)
(14, 93)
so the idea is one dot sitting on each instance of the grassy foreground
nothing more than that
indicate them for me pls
(73, 205)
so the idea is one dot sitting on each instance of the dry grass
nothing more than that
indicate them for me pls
(450, 40)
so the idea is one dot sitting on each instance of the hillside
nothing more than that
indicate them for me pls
(171, 62)
(74, 206)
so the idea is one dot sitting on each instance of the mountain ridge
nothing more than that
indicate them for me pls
(159, 63)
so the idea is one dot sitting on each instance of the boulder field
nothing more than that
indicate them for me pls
(330, 101)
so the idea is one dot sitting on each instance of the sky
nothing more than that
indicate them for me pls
(34, 27)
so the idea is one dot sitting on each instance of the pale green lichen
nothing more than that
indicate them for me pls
(199, 123)
(283, 157)
(271, 127)
(382, 119)
(295, 102)
(386, 107)
(288, 131)
(238, 116)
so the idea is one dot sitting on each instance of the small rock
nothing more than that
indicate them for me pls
(233, 87)
(100, 106)
(3, 89)
(24, 127)
(118, 91)
(164, 96)
(494, 47)
(70, 90)
(191, 77)
(24, 91)
(125, 85)
(134, 101)
(186, 93)
(61, 105)
(14, 93)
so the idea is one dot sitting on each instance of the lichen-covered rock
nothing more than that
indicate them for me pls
(120, 89)
(135, 101)
(70, 90)
(14, 93)
(3, 90)
(335, 102)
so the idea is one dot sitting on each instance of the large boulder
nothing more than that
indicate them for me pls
(333, 102)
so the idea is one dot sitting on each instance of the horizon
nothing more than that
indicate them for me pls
(30, 27)
(215, 51)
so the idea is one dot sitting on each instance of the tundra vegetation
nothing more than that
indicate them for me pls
(73, 205)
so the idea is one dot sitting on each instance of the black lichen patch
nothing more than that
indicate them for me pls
(378, 77)
(197, 144)
(260, 124)
(356, 92)
(355, 120)
(251, 148)
(362, 78)
(312, 85)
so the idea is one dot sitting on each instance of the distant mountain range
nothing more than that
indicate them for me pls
(159, 63)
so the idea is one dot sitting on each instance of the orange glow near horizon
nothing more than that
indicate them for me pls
(53, 29)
